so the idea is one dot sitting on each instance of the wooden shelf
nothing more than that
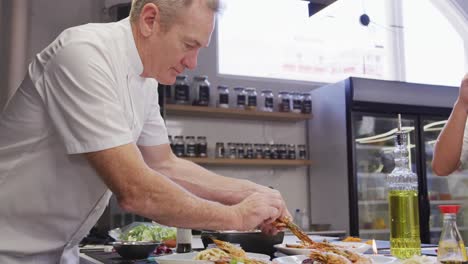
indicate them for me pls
(188, 110)
(251, 162)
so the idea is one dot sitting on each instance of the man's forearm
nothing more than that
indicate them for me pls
(206, 184)
(448, 148)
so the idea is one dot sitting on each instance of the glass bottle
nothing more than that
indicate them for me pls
(282, 151)
(274, 151)
(266, 100)
(284, 102)
(223, 96)
(306, 103)
(402, 185)
(184, 240)
(201, 90)
(266, 151)
(296, 102)
(191, 150)
(241, 97)
(451, 247)
(202, 147)
(181, 90)
(251, 98)
(179, 146)
(220, 150)
(168, 93)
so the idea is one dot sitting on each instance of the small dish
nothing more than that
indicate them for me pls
(134, 250)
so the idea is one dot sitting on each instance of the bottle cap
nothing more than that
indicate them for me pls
(449, 208)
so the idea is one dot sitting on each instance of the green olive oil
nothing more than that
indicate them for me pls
(404, 223)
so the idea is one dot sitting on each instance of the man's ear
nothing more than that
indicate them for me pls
(149, 19)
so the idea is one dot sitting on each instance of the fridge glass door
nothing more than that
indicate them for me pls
(451, 189)
(373, 147)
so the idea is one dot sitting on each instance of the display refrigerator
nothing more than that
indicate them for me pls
(351, 141)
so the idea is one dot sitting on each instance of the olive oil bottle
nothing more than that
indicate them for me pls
(402, 186)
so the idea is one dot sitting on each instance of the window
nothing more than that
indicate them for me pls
(282, 42)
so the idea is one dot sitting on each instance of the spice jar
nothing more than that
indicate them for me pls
(302, 152)
(249, 152)
(306, 103)
(201, 90)
(181, 90)
(201, 147)
(191, 146)
(266, 151)
(232, 150)
(251, 98)
(223, 96)
(179, 146)
(266, 101)
(291, 151)
(220, 152)
(241, 97)
(258, 151)
(284, 102)
(282, 151)
(240, 151)
(296, 102)
(274, 151)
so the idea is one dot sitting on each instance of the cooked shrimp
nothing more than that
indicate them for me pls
(324, 257)
(230, 248)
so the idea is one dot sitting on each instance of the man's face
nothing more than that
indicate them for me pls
(170, 52)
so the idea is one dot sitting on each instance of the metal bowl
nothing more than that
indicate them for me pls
(252, 241)
(135, 250)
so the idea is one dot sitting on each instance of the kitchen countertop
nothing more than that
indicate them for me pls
(99, 251)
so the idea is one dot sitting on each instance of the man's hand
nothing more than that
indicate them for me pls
(258, 208)
(463, 94)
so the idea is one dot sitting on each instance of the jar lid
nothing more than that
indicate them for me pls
(222, 87)
(200, 77)
(250, 89)
(189, 137)
(449, 208)
(239, 88)
(181, 77)
(283, 92)
(201, 137)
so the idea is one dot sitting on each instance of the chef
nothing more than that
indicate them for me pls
(85, 123)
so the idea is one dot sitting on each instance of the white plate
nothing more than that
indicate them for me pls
(188, 258)
(376, 259)
(354, 246)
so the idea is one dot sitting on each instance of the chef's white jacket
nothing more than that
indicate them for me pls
(82, 93)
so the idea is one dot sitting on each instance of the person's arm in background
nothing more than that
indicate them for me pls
(205, 183)
(448, 148)
(145, 192)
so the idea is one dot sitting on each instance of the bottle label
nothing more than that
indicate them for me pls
(191, 150)
(297, 105)
(182, 93)
(269, 102)
(179, 150)
(250, 154)
(201, 150)
(307, 106)
(302, 154)
(252, 101)
(241, 100)
(224, 99)
(285, 105)
(203, 95)
(292, 154)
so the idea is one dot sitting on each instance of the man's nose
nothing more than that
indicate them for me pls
(190, 61)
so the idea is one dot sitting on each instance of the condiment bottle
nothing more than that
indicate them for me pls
(402, 186)
(181, 90)
(451, 247)
(184, 240)
(201, 90)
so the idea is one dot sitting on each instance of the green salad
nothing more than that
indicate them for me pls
(145, 233)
